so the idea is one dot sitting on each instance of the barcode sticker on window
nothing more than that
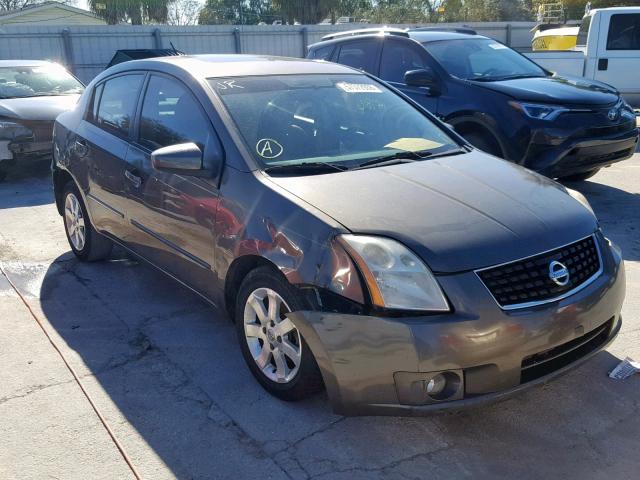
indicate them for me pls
(358, 87)
(497, 46)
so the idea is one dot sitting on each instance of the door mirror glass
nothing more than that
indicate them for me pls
(181, 158)
(423, 77)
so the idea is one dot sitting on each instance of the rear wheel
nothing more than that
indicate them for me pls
(85, 242)
(271, 344)
(579, 177)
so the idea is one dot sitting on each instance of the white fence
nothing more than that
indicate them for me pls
(87, 50)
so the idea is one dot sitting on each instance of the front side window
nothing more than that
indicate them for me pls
(361, 55)
(398, 58)
(334, 119)
(37, 81)
(118, 103)
(171, 115)
(624, 32)
(482, 60)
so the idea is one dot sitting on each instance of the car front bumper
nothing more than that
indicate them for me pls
(557, 153)
(380, 365)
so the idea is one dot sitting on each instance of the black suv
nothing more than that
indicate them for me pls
(499, 100)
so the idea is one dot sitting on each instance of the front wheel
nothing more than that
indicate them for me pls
(579, 177)
(85, 242)
(484, 141)
(271, 344)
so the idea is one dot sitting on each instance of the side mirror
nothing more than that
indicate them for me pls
(181, 158)
(423, 78)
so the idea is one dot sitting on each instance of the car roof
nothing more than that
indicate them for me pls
(24, 63)
(435, 36)
(222, 65)
(419, 36)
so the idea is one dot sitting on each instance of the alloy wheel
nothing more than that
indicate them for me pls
(273, 339)
(74, 220)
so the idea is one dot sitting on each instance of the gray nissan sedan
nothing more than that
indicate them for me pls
(357, 242)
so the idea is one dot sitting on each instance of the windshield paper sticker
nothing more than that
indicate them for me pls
(268, 148)
(413, 144)
(358, 87)
(497, 46)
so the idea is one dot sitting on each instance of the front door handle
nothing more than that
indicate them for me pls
(80, 146)
(133, 178)
(603, 63)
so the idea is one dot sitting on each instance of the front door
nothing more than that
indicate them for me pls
(618, 59)
(400, 55)
(172, 215)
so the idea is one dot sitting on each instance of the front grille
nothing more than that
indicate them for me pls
(548, 361)
(609, 129)
(526, 282)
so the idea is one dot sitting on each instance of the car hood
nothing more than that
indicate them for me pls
(37, 108)
(563, 90)
(458, 213)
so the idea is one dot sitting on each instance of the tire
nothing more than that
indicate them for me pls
(485, 142)
(261, 340)
(85, 242)
(579, 177)
(3, 172)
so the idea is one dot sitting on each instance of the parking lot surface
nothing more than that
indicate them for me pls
(161, 391)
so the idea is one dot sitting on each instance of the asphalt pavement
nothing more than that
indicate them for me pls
(112, 371)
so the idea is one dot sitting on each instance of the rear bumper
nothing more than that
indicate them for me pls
(380, 366)
(554, 155)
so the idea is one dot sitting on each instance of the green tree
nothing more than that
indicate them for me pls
(235, 12)
(137, 12)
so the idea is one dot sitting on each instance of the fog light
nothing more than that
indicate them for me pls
(442, 385)
(436, 384)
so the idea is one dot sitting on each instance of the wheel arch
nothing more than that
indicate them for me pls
(237, 272)
(60, 179)
(474, 122)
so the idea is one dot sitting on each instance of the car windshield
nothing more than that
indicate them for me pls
(341, 121)
(482, 59)
(37, 81)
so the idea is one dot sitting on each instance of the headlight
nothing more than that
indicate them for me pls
(581, 198)
(539, 112)
(395, 276)
(11, 130)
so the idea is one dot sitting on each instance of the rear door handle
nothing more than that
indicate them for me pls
(133, 178)
(603, 63)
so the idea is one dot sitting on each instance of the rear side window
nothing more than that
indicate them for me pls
(92, 111)
(624, 32)
(399, 58)
(118, 103)
(361, 55)
(171, 115)
(323, 53)
(583, 31)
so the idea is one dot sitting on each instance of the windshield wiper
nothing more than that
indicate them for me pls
(406, 157)
(308, 168)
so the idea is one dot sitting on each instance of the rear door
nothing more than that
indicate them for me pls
(618, 61)
(101, 146)
(173, 215)
(400, 55)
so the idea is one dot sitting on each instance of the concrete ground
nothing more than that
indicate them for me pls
(165, 376)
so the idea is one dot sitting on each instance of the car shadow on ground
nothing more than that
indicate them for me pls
(168, 365)
(618, 212)
(17, 190)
